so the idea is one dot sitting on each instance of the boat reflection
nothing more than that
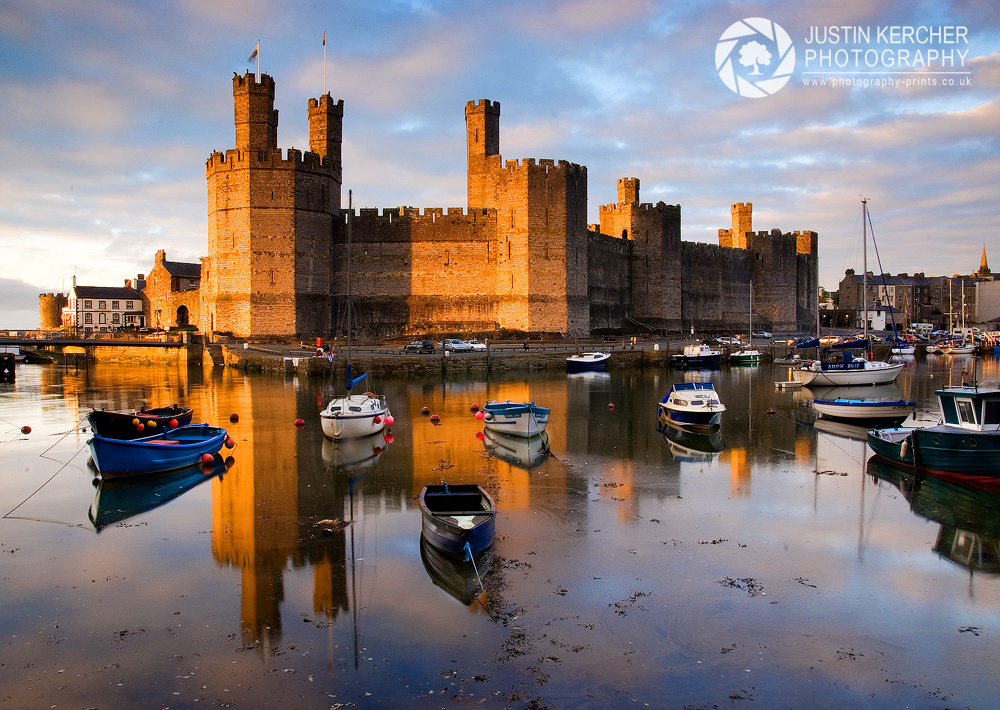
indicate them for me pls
(119, 499)
(355, 453)
(690, 447)
(970, 530)
(516, 450)
(841, 428)
(460, 578)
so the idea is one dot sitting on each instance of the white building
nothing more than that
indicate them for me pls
(103, 308)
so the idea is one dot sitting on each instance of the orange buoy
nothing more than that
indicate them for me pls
(299, 423)
(174, 423)
(136, 422)
(26, 429)
(234, 417)
(480, 415)
(151, 423)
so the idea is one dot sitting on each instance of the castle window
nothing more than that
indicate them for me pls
(447, 257)
(624, 234)
(546, 251)
(114, 305)
(512, 219)
(508, 250)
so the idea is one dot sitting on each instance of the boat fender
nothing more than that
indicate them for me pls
(369, 394)
(904, 448)
(488, 416)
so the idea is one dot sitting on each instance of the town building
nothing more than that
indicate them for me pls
(104, 308)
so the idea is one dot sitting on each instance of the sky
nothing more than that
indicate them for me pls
(110, 108)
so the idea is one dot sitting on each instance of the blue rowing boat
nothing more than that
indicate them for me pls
(163, 451)
(458, 519)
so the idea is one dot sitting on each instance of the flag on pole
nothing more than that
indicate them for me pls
(256, 50)
(324, 38)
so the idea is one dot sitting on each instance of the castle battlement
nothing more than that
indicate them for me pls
(645, 207)
(484, 106)
(289, 159)
(546, 164)
(327, 103)
(429, 215)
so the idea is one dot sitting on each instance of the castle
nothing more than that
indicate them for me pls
(520, 258)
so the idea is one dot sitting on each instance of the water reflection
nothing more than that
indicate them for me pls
(690, 447)
(516, 450)
(462, 579)
(118, 499)
(349, 454)
(969, 535)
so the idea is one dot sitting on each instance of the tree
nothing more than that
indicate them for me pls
(753, 52)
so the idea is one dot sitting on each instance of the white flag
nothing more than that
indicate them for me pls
(253, 55)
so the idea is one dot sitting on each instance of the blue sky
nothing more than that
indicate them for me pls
(110, 108)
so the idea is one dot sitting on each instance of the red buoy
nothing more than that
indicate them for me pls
(174, 423)
(299, 423)
(389, 420)
(207, 458)
(435, 418)
(480, 435)
(425, 410)
(229, 442)
(377, 450)
(770, 411)
(140, 426)
(611, 405)
(389, 438)
(475, 407)
(234, 417)
(230, 461)
(480, 415)
(26, 429)
(377, 419)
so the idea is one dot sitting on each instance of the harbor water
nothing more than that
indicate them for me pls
(772, 565)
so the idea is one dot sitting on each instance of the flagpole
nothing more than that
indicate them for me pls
(258, 61)
(324, 62)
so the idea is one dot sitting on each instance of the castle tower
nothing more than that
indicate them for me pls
(254, 113)
(482, 134)
(736, 237)
(50, 307)
(271, 221)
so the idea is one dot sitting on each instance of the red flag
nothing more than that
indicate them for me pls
(324, 38)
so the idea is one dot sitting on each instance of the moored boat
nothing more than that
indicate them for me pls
(694, 406)
(164, 451)
(354, 415)
(874, 403)
(457, 519)
(964, 447)
(747, 356)
(525, 419)
(587, 362)
(845, 368)
(696, 356)
(139, 423)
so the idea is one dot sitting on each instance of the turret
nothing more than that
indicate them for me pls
(254, 113)
(482, 131)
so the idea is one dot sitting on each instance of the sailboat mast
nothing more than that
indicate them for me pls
(350, 210)
(864, 270)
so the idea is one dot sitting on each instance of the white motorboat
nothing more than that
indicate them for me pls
(694, 406)
(354, 415)
(845, 368)
(587, 362)
(524, 419)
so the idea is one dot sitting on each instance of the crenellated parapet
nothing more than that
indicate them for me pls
(270, 159)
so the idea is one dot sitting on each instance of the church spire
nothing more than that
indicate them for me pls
(984, 268)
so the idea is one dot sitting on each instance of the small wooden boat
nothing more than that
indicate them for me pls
(164, 451)
(525, 419)
(587, 362)
(694, 406)
(138, 423)
(122, 498)
(458, 519)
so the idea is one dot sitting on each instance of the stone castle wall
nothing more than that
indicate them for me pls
(50, 307)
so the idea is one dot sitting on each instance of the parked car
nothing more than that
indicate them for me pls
(419, 346)
(760, 334)
(455, 345)
(475, 344)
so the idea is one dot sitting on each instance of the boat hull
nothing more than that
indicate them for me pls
(587, 362)
(354, 416)
(864, 409)
(524, 419)
(456, 516)
(877, 373)
(745, 358)
(165, 451)
(947, 452)
(120, 425)
(700, 422)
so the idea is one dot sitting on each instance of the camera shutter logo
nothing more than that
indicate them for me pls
(747, 49)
